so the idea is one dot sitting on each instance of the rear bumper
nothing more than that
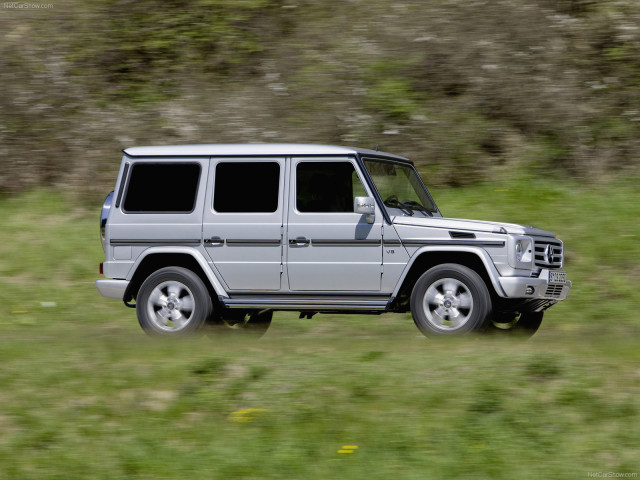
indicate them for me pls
(112, 288)
(516, 287)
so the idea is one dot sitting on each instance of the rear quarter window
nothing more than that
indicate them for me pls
(167, 187)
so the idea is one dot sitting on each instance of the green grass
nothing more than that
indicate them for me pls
(85, 394)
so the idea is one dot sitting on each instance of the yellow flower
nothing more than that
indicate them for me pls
(245, 414)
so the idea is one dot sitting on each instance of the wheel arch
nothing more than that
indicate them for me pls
(154, 259)
(425, 258)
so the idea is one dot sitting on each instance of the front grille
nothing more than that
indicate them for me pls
(554, 290)
(548, 253)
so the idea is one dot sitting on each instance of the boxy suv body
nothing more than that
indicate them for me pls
(223, 235)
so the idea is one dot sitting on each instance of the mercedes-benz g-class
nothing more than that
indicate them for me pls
(224, 235)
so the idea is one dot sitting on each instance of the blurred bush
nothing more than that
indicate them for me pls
(468, 89)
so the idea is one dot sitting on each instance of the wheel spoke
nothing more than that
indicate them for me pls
(456, 317)
(174, 288)
(177, 318)
(433, 296)
(163, 314)
(187, 303)
(465, 301)
(441, 313)
(450, 285)
(157, 298)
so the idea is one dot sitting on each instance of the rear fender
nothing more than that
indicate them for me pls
(206, 267)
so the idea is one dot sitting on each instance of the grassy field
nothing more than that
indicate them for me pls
(85, 394)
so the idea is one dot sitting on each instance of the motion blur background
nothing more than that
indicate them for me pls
(525, 111)
(466, 88)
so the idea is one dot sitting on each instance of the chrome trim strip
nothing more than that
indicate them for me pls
(475, 243)
(310, 296)
(143, 241)
(305, 301)
(307, 304)
(252, 241)
(323, 241)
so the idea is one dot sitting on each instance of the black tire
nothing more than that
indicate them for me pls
(524, 325)
(450, 299)
(252, 323)
(172, 302)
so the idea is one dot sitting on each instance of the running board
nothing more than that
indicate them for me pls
(308, 303)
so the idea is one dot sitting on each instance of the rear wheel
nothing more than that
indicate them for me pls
(252, 323)
(450, 299)
(171, 302)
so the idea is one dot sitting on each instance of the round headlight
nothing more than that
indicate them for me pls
(519, 249)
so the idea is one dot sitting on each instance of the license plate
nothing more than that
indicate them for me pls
(557, 277)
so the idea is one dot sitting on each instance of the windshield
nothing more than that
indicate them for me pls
(400, 187)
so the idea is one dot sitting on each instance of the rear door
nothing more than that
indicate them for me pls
(243, 221)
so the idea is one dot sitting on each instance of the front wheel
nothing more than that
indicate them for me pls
(450, 299)
(523, 325)
(172, 302)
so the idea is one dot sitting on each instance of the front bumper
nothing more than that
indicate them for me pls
(112, 288)
(516, 287)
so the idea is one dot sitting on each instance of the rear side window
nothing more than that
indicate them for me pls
(162, 188)
(246, 187)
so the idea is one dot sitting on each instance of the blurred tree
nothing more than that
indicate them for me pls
(140, 50)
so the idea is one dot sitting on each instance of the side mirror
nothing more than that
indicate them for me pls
(365, 206)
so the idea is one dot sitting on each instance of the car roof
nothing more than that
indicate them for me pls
(249, 149)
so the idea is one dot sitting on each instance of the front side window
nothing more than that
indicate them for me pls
(167, 187)
(400, 187)
(246, 187)
(327, 187)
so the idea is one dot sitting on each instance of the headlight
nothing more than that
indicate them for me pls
(521, 254)
(523, 250)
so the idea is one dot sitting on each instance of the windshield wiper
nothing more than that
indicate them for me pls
(395, 203)
(417, 206)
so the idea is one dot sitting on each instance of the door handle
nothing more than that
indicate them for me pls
(299, 241)
(214, 241)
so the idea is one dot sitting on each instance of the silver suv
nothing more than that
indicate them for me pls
(223, 235)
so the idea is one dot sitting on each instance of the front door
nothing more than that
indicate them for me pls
(242, 226)
(330, 248)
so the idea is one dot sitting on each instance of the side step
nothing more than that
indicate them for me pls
(311, 302)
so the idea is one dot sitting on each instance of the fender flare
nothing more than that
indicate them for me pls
(195, 253)
(491, 269)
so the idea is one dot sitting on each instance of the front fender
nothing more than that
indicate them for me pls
(493, 273)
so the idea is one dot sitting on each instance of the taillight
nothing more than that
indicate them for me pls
(104, 215)
(101, 268)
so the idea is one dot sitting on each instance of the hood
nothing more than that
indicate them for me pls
(472, 225)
